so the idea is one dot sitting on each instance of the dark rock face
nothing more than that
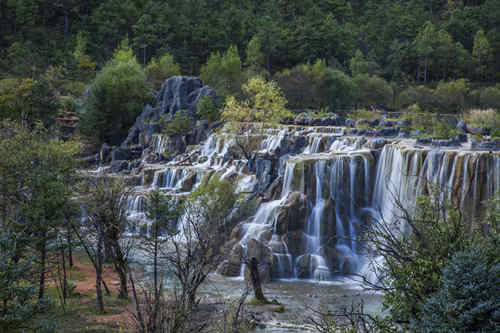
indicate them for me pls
(177, 93)
(491, 145)
(117, 166)
(293, 214)
(388, 131)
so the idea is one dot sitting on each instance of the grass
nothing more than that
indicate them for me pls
(274, 305)
(366, 115)
(482, 118)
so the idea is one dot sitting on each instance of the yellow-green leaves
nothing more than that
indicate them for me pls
(264, 103)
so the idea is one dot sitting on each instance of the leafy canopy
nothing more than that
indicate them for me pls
(264, 102)
(117, 96)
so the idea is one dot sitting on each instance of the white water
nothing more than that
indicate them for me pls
(343, 182)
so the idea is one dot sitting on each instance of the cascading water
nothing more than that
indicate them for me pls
(330, 186)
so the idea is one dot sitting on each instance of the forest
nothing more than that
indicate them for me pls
(405, 43)
(293, 149)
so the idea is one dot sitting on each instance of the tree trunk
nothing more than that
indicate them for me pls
(70, 250)
(426, 61)
(255, 278)
(65, 280)
(98, 274)
(122, 273)
(43, 255)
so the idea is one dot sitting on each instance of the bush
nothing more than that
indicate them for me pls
(490, 97)
(453, 95)
(317, 86)
(299, 84)
(209, 108)
(180, 124)
(469, 299)
(160, 70)
(372, 90)
(27, 100)
(335, 90)
(442, 130)
(117, 96)
(420, 95)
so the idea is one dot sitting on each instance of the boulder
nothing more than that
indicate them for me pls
(403, 123)
(292, 215)
(228, 269)
(349, 122)
(378, 143)
(461, 137)
(446, 143)
(295, 241)
(177, 93)
(338, 120)
(387, 131)
(117, 166)
(486, 145)
(462, 126)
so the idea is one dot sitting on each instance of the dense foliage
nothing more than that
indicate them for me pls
(116, 98)
(410, 41)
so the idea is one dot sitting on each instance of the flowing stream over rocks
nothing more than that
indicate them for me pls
(314, 188)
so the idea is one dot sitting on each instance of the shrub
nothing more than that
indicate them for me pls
(468, 300)
(453, 95)
(490, 97)
(181, 123)
(335, 89)
(442, 130)
(117, 96)
(365, 115)
(209, 108)
(420, 95)
(372, 90)
(298, 86)
(27, 100)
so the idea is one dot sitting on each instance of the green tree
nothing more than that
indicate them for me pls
(482, 53)
(424, 45)
(490, 97)
(28, 101)
(372, 90)
(223, 72)
(85, 67)
(37, 174)
(117, 96)
(264, 102)
(160, 70)
(453, 95)
(359, 65)
(335, 90)
(17, 291)
(468, 300)
(255, 61)
(417, 251)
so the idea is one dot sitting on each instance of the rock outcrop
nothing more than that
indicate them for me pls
(177, 93)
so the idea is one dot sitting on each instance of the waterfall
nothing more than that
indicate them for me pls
(327, 188)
